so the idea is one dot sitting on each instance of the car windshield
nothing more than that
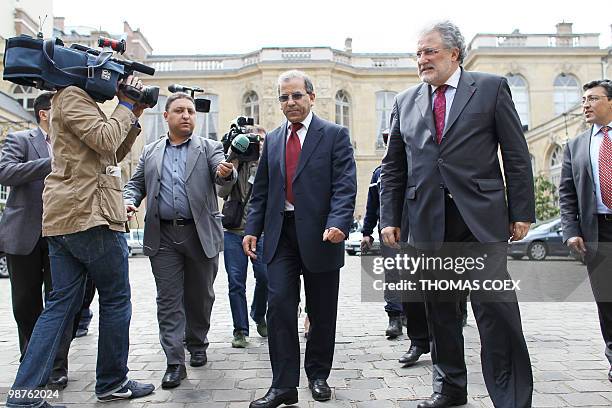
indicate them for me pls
(545, 225)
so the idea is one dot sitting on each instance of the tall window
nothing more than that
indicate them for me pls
(251, 105)
(566, 94)
(4, 192)
(343, 107)
(207, 123)
(384, 105)
(153, 122)
(555, 161)
(520, 97)
(25, 95)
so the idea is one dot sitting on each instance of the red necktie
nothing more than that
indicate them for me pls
(440, 111)
(292, 156)
(605, 168)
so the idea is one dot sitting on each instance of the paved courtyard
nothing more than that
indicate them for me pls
(563, 338)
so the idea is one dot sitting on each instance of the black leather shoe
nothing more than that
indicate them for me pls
(412, 355)
(198, 358)
(275, 397)
(57, 383)
(395, 327)
(173, 376)
(442, 401)
(320, 390)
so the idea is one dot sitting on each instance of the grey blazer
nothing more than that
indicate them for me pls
(416, 169)
(24, 165)
(577, 192)
(203, 157)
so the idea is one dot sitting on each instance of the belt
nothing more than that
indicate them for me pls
(178, 222)
(604, 217)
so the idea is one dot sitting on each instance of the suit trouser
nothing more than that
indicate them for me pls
(414, 311)
(599, 268)
(506, 365)
(28, 274)
(184, 277)
(321, 289)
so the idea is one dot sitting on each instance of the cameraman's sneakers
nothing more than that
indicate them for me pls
(262, 329)
(132, 389)
(239, 340)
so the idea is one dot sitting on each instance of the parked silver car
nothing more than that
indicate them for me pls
(134, 241)
(353, 244)
(3, 266)
(543, 239)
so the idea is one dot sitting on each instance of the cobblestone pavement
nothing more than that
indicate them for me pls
(564, 340)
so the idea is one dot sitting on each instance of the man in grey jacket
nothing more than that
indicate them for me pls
(183, 233)
(585, 198)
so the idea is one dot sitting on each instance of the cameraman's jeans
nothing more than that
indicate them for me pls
(393, 298)
(101, 253)
(236, 264)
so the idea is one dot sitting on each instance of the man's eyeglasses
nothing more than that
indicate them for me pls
(428, 52)
(296, 96)
(594, 98)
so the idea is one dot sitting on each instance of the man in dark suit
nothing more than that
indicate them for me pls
(303, 201)
(585, 196)
(24, 165)
(441, 175)
(183, 234)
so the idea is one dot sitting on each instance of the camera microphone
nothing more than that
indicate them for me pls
(239, 145)
(182, 88)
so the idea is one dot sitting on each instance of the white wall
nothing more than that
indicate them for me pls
(36, 8)
(7, 25)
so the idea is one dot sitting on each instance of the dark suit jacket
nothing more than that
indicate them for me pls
(24, 165)
(203, 157)
(324, 187)
(416, 170)
(577, 192)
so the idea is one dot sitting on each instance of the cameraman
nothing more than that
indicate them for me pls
(84, 222)
(236, 262)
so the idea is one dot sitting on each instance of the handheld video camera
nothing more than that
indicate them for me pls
(240, 145)
(49, 65)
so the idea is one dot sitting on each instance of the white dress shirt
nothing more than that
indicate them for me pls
(596, 140)
(302, 136)
(47, 141)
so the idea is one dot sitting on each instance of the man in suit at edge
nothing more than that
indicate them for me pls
(303, 201)
(585, 197)
(25, 162)
(441, 175)
(183, 234)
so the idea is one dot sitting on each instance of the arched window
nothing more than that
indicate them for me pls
(384, 106)
(343, 108)
(555, 161)
(566, 94)
(251, 105)
(207, 123)
(520, 97)
(25, 95)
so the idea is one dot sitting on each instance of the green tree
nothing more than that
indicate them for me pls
(546, 198)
